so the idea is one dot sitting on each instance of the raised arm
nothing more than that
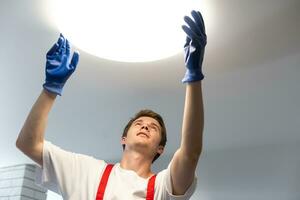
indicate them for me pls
(31, 137)
(185, 159)
(58, 69)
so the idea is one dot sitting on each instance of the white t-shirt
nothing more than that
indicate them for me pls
(77, 177)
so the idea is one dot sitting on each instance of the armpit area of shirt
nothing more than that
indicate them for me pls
(166, 174)
(43, 173)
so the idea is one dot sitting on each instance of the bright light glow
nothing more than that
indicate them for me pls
(124, 30)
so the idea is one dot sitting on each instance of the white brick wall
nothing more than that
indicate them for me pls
(17, 183)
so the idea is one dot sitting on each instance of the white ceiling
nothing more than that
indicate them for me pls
(250, 90)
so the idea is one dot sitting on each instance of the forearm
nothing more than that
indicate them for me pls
(193, 121)
(32, 132)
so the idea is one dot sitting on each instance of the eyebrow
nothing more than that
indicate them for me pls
(152, 123)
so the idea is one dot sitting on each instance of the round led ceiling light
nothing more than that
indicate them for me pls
(123, 30)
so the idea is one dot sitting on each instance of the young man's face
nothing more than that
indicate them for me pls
(144, 134)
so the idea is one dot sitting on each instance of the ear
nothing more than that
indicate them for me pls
(123, 139)
(160, 149)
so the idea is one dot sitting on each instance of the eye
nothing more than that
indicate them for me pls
(154, 128)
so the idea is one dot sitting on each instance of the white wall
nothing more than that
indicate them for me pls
(267, 172)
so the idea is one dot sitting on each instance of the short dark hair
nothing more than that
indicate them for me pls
(154, 115)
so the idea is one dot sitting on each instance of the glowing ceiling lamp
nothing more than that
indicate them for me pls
(124, 30)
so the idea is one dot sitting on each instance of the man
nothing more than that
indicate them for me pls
(78, 176)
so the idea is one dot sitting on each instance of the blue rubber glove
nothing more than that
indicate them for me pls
(194, 47)
(59, 67)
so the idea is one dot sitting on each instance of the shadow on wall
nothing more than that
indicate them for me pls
(260, 173)
(274, 37)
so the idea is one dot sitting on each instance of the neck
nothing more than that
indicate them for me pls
(141, 164)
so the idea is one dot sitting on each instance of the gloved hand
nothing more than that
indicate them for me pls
(194, 47)
(59, 67)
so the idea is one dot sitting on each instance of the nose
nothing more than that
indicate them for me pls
(146, 127)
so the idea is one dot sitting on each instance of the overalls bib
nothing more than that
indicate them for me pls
(104, 179)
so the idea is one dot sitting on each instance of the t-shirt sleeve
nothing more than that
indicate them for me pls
(165, 185)
(63, 170)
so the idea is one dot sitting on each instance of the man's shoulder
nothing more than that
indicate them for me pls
(68, 153)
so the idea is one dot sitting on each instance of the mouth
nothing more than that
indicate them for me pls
(143, 134)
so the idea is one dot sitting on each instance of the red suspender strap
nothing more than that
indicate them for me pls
(103, 182)
(104, 179)
(150, 188)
